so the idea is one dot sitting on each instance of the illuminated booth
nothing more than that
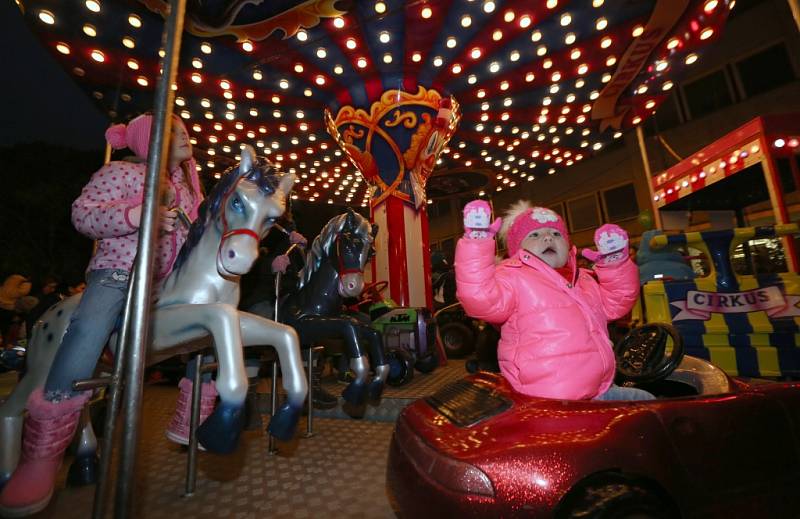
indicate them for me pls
(740, 308)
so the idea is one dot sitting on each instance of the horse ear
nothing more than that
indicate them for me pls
(374, 231)
(248, 159)
(287, 183)
(351, 217)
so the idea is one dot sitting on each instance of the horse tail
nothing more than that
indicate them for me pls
(42, 347)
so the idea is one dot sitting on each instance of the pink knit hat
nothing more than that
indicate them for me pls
(136, 135)
(530, 219)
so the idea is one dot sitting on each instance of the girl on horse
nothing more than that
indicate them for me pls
(109, 211)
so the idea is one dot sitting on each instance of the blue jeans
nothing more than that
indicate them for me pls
(616, 392)
(89, 329)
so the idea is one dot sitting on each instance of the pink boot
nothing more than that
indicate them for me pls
(49, 429)
(178, 428)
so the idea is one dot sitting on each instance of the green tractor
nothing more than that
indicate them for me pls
(409, 334)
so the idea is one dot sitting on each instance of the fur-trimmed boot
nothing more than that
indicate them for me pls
(48, 431)
(178, 428)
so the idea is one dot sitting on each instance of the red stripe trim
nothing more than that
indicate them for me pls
(426, 256)
(248, 232)
(398, 264)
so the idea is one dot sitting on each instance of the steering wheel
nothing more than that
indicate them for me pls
(641, 353)
(371, 293)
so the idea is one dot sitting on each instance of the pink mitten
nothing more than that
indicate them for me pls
(477, 218)
(280, 263)
(612, 245)
(296, 237)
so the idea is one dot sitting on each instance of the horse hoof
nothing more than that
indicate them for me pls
(283, 424)
(356, 411)
(375, 391)
(220, 432)
(355, 393)
(83, 471)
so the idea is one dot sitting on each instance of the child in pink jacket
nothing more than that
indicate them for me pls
(554, 340)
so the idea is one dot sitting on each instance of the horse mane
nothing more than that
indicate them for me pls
(321, 246)
(263, 174)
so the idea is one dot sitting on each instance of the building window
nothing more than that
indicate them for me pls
(667, 116)
(707, 94)
(759, 257)
(765, 70)
(620, 203)
(583, 213)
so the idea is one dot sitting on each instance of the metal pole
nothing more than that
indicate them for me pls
(313, 354)
(107, 154)
(309, 425)
(191, 465)
(114, 396)
(273, 400)
(648, 175)
(142, 283)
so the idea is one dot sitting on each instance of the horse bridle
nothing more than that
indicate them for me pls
(344, 269)
(234, 232)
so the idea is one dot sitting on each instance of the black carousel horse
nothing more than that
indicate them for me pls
(333, 271)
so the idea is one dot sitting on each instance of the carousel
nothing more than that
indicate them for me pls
(355, 104)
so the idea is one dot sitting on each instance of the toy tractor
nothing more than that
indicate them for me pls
(409, 334)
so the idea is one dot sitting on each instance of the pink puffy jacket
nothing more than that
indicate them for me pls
(101, 213)
(554, 341)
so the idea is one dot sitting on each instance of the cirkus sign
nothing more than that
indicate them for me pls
(700, 305)
(665, 15)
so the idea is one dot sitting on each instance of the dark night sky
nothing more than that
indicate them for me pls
(40, 102)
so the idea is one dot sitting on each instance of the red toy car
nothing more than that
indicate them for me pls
(708, 446)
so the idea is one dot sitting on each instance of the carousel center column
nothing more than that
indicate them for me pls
(395, 144)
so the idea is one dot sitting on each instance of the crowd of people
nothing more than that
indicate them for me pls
(24, 299)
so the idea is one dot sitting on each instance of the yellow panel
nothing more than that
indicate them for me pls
(716, 339)
(716, 324)
(758, 320)
(768, 362)
(636, 311)
(759, 340)
(724, 358)
(655, 302)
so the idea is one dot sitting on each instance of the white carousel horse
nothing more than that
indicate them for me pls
(198, 299)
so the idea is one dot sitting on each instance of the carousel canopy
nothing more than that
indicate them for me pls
(540, 85)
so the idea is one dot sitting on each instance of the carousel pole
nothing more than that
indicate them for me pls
(142, 281)
(648, 174)
(107, 154)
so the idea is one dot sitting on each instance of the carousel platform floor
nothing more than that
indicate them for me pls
(396, 398)
(338, 472)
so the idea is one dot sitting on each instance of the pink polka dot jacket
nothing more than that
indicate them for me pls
(101, 213)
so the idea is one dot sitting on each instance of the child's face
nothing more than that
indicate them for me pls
(549, 245)
(180, 147)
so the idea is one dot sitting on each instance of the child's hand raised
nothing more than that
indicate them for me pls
(477, 218)
(612, 245)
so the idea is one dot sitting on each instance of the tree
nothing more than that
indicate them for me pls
(39, 183)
